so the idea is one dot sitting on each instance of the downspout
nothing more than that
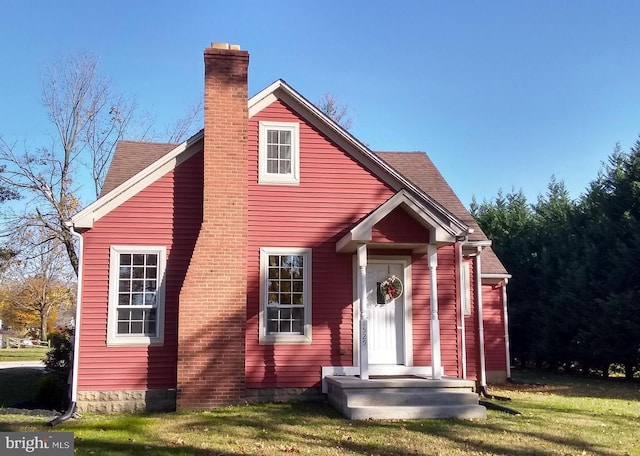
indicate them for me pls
(463, 344)
(506, 328)
(478, 268)
(69, 413)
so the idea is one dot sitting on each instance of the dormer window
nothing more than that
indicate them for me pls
(279, 153)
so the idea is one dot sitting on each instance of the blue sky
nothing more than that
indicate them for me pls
(501, 94)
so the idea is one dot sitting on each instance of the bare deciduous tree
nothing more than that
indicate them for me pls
(338, 112)
(182, 128)
(89, 118)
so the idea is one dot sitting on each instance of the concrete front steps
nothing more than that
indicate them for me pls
(405, 398)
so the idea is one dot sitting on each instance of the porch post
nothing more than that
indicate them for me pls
(435, 323)
(362, 295)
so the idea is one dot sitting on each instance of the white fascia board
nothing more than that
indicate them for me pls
(132, 186)
(495, 276)
(475, 244)
(430, 219)
(281, 90)
(263, 98)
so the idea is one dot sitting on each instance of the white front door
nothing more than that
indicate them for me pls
(386, 319)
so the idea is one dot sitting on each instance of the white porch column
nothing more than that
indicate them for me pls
(436, 361)
(362, 296)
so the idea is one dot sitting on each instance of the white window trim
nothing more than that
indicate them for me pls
(113, 338)
(465, 291)
(279, 179)
(290, 339)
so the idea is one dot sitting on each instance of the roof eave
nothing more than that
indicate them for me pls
(86, 218)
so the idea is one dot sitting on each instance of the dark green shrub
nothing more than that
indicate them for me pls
(52, 392)
(59, 358)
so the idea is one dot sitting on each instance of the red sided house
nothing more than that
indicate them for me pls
(271, 253)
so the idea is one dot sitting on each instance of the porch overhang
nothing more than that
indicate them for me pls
(442, 227)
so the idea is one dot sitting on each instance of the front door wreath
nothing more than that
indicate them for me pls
(391, 288)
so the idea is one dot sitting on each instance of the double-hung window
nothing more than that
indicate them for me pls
(136, 295)
(285, 295)
(279, 153)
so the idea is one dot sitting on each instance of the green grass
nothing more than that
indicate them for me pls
(23, 354)
(560, 416)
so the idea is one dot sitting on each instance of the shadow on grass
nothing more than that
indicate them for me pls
(313, 428)
(291, 427)
(105, 448)
(19, 386)
(574, 386)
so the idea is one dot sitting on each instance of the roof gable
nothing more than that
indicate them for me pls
(418, 168)
(137, 164)
(129, 158)
(441, 230)
(140, 179)
(280, 90)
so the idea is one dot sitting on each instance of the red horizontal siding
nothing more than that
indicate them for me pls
(334, 193)
(399, 226)
(493, 328)
(447, 310)
(493, 318)
(421, 311)
(167, 213)
(471, 329)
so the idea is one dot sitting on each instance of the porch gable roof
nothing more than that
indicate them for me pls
(443, 228)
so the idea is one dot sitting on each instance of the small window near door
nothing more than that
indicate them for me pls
(465, 284)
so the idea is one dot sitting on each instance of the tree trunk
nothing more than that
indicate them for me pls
(67, 238)
(629, 371)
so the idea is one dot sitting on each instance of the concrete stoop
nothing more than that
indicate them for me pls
(406, 398)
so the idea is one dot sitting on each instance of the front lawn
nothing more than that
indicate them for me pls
(560, 416)
(23, 354)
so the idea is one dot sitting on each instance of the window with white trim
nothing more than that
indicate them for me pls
(136, 295)
(279, 153)
(285, 295)
(465, 291)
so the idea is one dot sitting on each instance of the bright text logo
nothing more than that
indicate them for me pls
(36, 443)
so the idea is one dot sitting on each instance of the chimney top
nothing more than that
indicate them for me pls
(225, 46)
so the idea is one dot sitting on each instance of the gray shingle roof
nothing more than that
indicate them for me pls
(130, 158)
(418, 168)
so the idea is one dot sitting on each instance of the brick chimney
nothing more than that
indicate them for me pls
(212, 310)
